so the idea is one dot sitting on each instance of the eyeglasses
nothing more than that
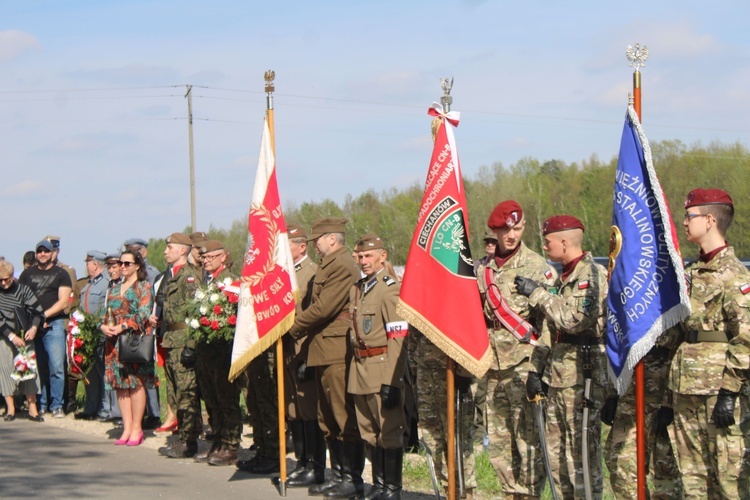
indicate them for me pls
(689, 217)
(126, 263)
(209, 257)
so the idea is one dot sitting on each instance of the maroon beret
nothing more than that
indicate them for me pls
(561, 223)
(700, 196)
(508, 213)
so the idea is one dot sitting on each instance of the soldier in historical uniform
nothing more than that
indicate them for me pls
(179, 369)
(327, 322)
(513, 329)
(571, 356)
(711, 366)
(376, 372)
(300, 391)
(213, 360)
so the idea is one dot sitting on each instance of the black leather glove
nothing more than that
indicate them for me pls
(462, 384)
(534, 386)
(609, 410)
(303, 372)
(664, 418)
(723, 415)
(187, 358)
(390, 395)
(526, 286)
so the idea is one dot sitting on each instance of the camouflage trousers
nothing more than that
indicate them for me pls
(513, 435)
(714, 463)
(565, 440)
(184, 386)
(621, 454)
(431, 403)
(221, 396)
(261, 400)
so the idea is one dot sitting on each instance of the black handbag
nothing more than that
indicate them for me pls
(135, 348)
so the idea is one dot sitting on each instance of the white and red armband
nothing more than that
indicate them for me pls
(396, 329)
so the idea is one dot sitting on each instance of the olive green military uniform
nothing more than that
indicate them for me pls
(178, 290)
(509, 416)
(715, 354)
(261, 400)
(222, 397)
(576, 315)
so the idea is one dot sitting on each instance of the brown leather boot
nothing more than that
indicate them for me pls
(181, 449)
(203, 456)
(226, 455)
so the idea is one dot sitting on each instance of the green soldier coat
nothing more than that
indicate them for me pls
(178, 290)
(578, 308)
(327, 318)
(376, 324)
(719, 298)
(508, 350)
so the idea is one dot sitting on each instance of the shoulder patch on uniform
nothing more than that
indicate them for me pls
(191, 279)
(745, 288)
(582, 285)
(388, 280)
(548, 274)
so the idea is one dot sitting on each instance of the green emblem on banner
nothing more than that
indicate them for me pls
(450, 244)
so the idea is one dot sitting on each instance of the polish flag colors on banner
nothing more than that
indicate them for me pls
(269, 286)
(439, 294)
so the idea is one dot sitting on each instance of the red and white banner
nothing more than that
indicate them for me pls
(439, 294)
(269, 286)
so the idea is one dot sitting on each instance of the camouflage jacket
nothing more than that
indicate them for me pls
(577, 308)
(375, 324)
(719, 299)
(178, 290)
(508, 351)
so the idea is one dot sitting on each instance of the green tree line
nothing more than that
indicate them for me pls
(543, 188)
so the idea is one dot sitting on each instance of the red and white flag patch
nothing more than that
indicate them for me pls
(548, 274)
(745, 288)
(582, 285)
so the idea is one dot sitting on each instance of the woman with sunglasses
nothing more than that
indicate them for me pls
(129, 305)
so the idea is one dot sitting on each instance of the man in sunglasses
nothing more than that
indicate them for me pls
(52, 286)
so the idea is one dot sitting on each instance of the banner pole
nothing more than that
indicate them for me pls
(637, 58)
(279, 358)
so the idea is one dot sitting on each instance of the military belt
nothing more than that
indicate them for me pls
(370, 352)
(176, 326)
(694, 336)
(566, 338)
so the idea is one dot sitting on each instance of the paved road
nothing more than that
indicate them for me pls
(42, 460)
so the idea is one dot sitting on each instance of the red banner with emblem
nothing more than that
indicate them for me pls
(269, 286)
(439, 294)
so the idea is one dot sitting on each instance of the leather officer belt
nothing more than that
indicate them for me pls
(370, 352)
(566, 338)
(694, 336)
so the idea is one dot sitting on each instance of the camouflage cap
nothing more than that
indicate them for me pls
(561, 223)
(698, 197)
(211, 246)
(369, 242)
(179, 239)
(327, 226)
(506, 214)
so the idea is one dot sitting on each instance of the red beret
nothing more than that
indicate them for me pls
(508, 213)
(561, 223)
(700, 196)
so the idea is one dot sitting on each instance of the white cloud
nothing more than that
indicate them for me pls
(25, 189)
(14, 43)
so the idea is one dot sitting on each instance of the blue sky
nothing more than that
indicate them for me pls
(93, 130)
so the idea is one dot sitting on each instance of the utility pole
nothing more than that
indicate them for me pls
(189, 96)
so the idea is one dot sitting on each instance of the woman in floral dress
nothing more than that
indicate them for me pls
(129, 305)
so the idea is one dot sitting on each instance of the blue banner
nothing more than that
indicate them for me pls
(647, 292)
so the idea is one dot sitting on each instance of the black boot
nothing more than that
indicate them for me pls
(297, 427)
(393, 464)
(315, 451)
(351, 485)
(336, 452)
(376, 455)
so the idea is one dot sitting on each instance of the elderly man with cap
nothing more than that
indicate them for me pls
(52, 286)
(571, 360)
(300, 391)
(326, 321)
(711, 367)
(376, 372)
(91, 301)
(178, 289)
(212, 370)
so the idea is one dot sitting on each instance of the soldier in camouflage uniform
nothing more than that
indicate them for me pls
(212, 371)
(513, 436)
(710, 368)
(178, 289)
(570, 354)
